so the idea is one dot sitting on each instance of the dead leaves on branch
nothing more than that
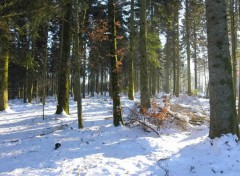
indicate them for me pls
(162, 115)
(149, 118)
(101, 32)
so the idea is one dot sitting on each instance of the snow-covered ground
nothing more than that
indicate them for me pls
(27, 143)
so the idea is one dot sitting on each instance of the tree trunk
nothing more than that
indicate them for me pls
(154, 79)
(84, 73)
(195, 54)
(188, 48)
(167, 65)
(25, 83)
(233, 29)
(97, 81)
(4, 59)
(223, 117)
(145, 95)
(136, 80)
(177, 89)
(117, 112)
(101, 80)
(239, 76)
(78, 63)
(63, 84)
(92, 82)
(131, 59)
(30, 86)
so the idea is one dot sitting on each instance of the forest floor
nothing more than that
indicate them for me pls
(27, 142)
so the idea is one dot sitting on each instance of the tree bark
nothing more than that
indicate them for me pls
(78, 63)
(233, 44)
(145, 94)
(167, 65)
(63, 84)
(177, 89)
(188, 48)
(4, 59)
(131, 59)
(195, 54)
(117, 111)
(223, 117)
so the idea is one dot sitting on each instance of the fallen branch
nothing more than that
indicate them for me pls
(144, 124)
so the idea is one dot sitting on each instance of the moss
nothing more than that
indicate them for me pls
(4, 80)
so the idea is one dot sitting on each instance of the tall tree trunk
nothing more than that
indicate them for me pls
(239, 76)
(188, 48)
(233, 29)
(31, 76)
(131, 59)
(136, 80)
(97, 81)
(63, 84)
(84, 72)
(154, 79)
(177, 89)
(30, 86)
(25, 83)
(101, 79)
(45, 70)
(223, 117)
(145, 95)
(4, 59)
(117, 112)
(78, 63)
(195, 54)
(92, 82)
(167, 65)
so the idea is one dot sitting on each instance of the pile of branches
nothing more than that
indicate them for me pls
(157, 116)
(149, 118)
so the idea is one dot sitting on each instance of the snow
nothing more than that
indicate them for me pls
(27, 143)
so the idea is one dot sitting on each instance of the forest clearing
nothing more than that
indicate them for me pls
(27, 142)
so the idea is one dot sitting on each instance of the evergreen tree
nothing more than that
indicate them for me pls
(63, 82)
(117, 111)
(145, 94)
(223, 117)
(131, 59)
(4, 60)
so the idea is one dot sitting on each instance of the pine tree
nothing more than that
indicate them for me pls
(77, 66)
(4, 60)
(117, 111)
(63, 82)
(188, 47)
(131, 59)
(223, 117)
(145, 94)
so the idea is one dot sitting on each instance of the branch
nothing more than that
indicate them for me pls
(143, 123)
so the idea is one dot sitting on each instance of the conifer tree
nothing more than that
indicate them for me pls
(117, 111)
(223, 117)
(64, 74)
(145, 94)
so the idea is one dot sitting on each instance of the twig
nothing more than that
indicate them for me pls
(143, 123)
(165, 170)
